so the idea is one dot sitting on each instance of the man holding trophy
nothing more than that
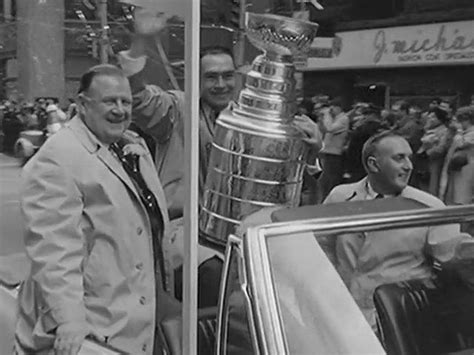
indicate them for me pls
(160, 114)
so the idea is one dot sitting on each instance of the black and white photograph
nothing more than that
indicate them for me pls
(237, 177)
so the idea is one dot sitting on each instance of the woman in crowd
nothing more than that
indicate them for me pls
(457, 183)
(435, 144)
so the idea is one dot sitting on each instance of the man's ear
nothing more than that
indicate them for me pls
(80, 102)
(372, 165)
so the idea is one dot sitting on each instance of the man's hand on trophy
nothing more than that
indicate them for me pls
(306, 124)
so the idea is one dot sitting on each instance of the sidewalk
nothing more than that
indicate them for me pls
(11, 222)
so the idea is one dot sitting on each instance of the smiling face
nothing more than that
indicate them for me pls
(217, 80)
(390, 166)
(107, 107)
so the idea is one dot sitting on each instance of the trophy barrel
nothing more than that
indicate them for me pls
(254, 163)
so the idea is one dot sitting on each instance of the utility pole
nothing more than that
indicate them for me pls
(7, 9)
(40, 49)
(240, 45)
(104, 30)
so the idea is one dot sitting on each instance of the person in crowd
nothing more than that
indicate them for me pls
(357, 112)
(30, 118)
(411, 127)
(434, 103)
(95, 214)
(401, 107)
(390, 119)
(306, 107)
(54, 122)
(335, 128)
(160, 114)
(309, 190)
(434, 145)
(367, 260)
(366, 126)
(457, 181)
(447, 106)
(71, 111)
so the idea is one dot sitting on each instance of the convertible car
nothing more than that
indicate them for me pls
(282, 294)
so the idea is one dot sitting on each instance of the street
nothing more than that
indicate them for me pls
(11, 224)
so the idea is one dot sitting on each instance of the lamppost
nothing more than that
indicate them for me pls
(104, 29)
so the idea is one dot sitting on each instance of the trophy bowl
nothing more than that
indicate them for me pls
(279, 35)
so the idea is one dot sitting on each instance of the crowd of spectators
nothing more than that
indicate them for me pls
(44, 114)
(440, 136)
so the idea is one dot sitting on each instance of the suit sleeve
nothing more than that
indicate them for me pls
(52, 207)
(155, 110)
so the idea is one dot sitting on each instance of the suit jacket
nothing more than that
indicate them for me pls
(89, 239)
(367, 260)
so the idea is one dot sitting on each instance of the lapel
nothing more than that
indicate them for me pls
(359, 191)
(93, 145)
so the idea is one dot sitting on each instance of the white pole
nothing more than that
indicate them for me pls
(104, 40)
(7, 9)
(191, 146)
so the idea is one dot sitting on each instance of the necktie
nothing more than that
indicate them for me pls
(132, 168)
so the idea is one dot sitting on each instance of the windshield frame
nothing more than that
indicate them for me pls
(262, 288)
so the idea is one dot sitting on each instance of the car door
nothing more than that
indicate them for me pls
(282, 294)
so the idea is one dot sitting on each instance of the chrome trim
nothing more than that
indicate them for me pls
(234, 242)
(374, 221)
(244, 274)
(265, 304)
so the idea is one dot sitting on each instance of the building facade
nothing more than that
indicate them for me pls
(383, 51)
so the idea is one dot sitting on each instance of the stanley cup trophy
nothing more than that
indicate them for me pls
(258, 155)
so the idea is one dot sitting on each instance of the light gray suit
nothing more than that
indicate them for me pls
(90, 242)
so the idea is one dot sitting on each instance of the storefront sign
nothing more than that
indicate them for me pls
(435, 44)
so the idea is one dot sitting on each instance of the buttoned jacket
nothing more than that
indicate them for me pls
(89, 239)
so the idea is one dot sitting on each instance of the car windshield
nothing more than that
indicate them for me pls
(324, 294)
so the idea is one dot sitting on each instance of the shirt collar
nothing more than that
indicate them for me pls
(372, 194)
(208, 111)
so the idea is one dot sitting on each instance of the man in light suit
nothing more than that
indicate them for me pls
(367, 260)
(95, 214)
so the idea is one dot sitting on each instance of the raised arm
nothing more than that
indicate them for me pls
(155, 110)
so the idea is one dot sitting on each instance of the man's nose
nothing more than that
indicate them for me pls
(119, 106)
(220, 81)
(408, 164)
